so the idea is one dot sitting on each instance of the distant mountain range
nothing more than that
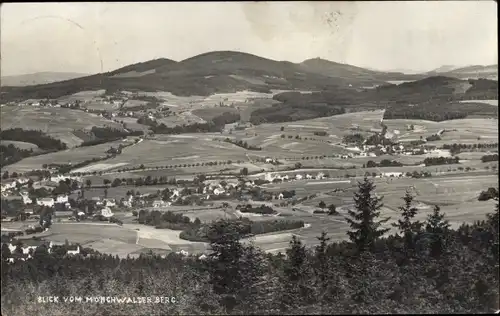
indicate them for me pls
(468, 72)
(225, 72)
(220, 71)
(38, 78)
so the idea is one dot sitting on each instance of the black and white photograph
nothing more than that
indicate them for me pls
(249, 158)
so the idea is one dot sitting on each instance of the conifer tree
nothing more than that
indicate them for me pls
(233, 269)
(437, 228)
(365, 229)
(296, 274)
(321, 257)
(406, 226)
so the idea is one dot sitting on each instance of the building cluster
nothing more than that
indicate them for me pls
(25, 249)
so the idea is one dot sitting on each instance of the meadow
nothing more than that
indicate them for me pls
(20, 145)
(177, 150)
(73, 155)
(56, 122)
(490, 102)
(456, 131)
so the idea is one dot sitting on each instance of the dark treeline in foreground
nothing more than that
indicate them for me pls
(428, 267)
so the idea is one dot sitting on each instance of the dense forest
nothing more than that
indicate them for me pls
(107, 134)
(438, 111)
(215, 125)
(427, 267)
(435, 161)
(11, 154)
(290, 112)
(197, 231)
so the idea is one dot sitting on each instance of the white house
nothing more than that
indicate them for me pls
(280, 196)
(109, 203)
(269, 160)
(26, 199)
(320, 176)
(8, 186)
(175, 193)
(73, 252)
(219, 191)
(160, 203)
(308, 176)
(23, 180)
(269, 177)
(298, 177)
(355, 148)
(62, 199)
(183, 253)
(106, 212)
(45, 202)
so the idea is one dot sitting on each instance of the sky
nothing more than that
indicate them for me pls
(100, 37)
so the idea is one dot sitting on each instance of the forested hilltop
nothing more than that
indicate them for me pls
(427, 268)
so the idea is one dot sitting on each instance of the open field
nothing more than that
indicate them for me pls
(73, 155)
(209, 215)
(131, 123)
(114, 247)
(82, 96)
(133, 103)
(209, 113)
(337, 125)
(167, 150)
(184, 118)
(168, 236)
(56, 122)
(119, 192)
(457, 131)
(85, 233)
(490, 102)
(20, 145)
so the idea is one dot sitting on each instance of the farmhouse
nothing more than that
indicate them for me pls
(26, 199)
(45, 202)
(106, 212)
(392, 174)
(160, 203)
(219, 191)
(8, 186)
(109, 202)
(175, 193)
(76, 251)
(23, 180)
(61, 199)
(268, 177)
(298, 177)
(28, 247)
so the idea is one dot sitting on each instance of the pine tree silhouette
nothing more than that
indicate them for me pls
(364, 227)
